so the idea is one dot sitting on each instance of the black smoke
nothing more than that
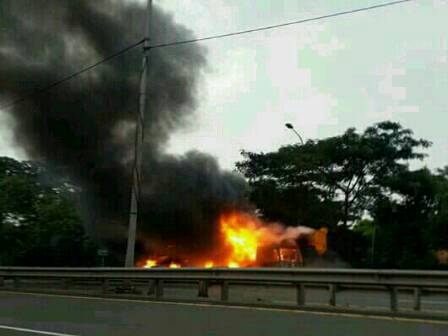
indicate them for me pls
(87, 124)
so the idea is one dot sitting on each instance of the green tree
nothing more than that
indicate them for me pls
(344, 169)
(411, 220)
(439, 218)
(283, 195)
(39, 225)
(333, 182)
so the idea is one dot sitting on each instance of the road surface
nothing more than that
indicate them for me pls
(59, 315)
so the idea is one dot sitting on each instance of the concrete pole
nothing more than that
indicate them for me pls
(139, 137)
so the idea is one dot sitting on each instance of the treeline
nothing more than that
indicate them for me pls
(379, 212)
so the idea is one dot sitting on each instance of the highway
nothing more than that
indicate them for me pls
(60, 315)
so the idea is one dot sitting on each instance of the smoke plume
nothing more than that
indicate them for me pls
(87, 124)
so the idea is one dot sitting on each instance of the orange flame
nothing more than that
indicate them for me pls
(150, 263)
(233, 264)
(245, 241)
(174, 265)
(241, 235)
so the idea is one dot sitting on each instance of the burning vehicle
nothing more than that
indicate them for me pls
(289, 253)
(247, 241)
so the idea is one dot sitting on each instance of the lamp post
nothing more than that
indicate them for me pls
(291, 127)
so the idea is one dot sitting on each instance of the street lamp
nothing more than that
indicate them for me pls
(291, 127)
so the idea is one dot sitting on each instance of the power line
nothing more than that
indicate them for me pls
(213, 37)
(73, 75)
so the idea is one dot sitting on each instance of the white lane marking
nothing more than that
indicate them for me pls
(33, 331)
(210, 305)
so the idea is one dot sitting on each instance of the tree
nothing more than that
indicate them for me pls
(39, 224)
(439, 218)
(404, 218)
(344, 169)
(334, 182)
(283, 195)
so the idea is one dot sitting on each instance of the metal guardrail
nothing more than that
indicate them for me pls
(391, 281)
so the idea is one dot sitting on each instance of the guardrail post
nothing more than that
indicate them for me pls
(300, 293)
(203, 288)
(393, 298)
(332, 291)
(66, 282)
(417, 298)
(159, 288)
(17, 283)
(151, 287)
(225, 291)
(104, 286)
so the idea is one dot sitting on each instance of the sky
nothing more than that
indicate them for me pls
(323, 77)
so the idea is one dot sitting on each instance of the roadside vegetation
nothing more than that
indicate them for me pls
(380, 212)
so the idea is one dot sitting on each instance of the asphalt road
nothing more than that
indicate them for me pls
(39, 314)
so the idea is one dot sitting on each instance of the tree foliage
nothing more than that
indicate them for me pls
(346, 168)
(410, 220)
(342, 180)
(39, 224)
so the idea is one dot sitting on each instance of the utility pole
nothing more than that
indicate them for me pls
(139, 137)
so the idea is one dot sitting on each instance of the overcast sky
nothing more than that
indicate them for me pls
(326, 76)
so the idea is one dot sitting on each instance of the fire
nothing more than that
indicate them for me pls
(150, 263)
(241, 235)
(174, 265)
(245, 241)
(159, 262)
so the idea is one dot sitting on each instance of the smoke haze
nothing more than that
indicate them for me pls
(87, 124)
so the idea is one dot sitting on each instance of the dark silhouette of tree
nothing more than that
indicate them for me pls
(342, 181)
(39, 224)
